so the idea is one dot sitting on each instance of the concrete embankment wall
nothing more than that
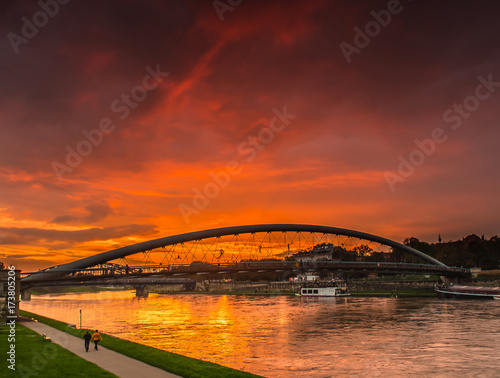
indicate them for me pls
(258, 287)
(170, 288)
(355, 286)
(488, 283)
(288, 287)
(402, 286)
(397, 286)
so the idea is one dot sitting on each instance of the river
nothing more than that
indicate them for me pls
(285, 336)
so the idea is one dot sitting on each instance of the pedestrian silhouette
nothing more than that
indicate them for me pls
(87, 338)
(96, 337)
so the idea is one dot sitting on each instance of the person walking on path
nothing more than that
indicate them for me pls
(87, 338)
(96, 337)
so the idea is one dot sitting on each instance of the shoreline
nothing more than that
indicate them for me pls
(167, 361)
(416, 286)
(401, 292)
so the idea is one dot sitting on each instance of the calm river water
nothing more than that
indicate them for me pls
(284, 336)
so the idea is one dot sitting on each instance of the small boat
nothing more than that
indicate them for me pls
(324, 291)
(468, 292)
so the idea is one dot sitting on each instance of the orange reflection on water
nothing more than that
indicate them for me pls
(206, 328)
(283, 336)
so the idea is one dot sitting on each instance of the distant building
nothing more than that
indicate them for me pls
(305, 277)
(475, 272)
(386, 255)
(473, 238)
(325, 252)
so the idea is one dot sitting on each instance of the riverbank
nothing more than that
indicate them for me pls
(386, 293)
(360, 288)
(170, 362)
(75, 289)
(383, 286)
(35, 356)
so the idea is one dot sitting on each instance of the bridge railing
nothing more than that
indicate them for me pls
(388, 265)
(205, 268)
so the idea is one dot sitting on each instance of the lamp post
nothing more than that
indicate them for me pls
(80, 318)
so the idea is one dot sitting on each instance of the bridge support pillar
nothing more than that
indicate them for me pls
(141, 291)
(26, 295)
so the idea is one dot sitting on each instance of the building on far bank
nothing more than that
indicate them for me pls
(325, 252)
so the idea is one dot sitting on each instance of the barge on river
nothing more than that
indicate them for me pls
(468, 292)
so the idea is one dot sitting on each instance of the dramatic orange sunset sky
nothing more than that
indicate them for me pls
(124, 121)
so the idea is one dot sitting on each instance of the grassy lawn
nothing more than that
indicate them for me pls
(36, 357)
(171, 362)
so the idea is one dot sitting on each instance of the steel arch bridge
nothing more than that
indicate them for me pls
(247, 248)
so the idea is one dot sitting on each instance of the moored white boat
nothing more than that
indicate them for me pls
(468, 292)
(327, 291)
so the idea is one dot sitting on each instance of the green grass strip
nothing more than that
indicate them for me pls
(36, 357)
(393, 294)
(174, 363)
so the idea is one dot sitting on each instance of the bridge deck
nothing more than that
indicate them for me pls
(173, 274)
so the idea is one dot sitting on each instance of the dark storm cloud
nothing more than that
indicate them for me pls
(94, 214)
(30, 236)
(66, 77)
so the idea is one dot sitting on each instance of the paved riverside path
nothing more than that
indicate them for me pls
(109, 360)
